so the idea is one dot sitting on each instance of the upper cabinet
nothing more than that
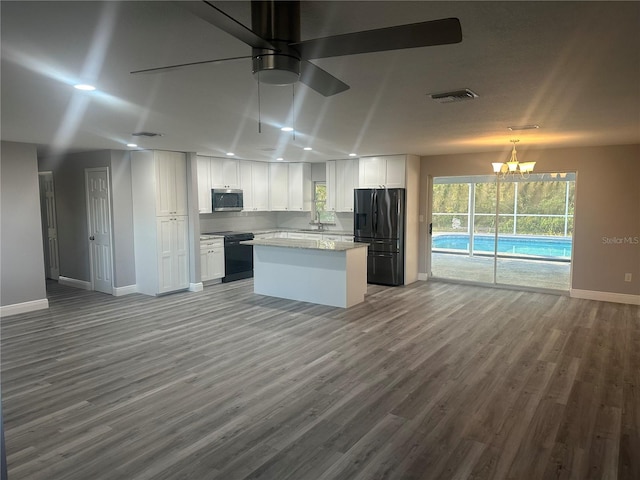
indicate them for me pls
(342, 178)
(382, 172)
(225, 173)
(254, 182)
(290, 187)
(346, 181)
(300, 187)
(171, 183)
(204, 184)
(215, 172)
(330, 205)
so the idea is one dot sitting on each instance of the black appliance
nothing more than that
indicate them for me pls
(227, 200)
(238, 258)
(378, 220)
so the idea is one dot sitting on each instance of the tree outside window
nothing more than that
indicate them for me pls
(321, 213)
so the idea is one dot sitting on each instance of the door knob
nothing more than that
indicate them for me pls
(92, 237)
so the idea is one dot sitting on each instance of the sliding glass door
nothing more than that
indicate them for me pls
(514, 232)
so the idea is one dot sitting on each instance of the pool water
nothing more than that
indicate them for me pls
(550, 247)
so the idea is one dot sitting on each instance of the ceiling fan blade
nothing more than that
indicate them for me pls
(424, 34)
(320, 80)
(216, 17)
(180, 65)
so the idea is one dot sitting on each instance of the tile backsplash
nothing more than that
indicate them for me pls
(250, 221)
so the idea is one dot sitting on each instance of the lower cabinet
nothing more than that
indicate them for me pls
(173, 253)
(211, 259)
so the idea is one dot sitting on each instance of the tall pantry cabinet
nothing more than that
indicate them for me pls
(160, 221)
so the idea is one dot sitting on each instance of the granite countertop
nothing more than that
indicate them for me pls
(306, 244)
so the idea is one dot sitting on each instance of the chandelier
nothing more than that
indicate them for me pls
(513, 167)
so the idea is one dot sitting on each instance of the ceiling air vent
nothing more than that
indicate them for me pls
(457, 96)
(146, 134)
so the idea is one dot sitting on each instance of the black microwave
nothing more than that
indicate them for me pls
(226, 200)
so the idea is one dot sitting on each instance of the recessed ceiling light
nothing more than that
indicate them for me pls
(308, 148)
(523, 127)
(230, 154)
(287, 129)
(279, 159)
(84, 87)
(353, 154)
(131, 145)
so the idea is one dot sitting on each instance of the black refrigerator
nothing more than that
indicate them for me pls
(379, 221)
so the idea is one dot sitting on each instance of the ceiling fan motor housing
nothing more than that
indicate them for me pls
(279, 23)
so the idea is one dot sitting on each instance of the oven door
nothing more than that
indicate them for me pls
(238, 261)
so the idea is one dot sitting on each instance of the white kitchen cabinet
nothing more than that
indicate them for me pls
(160, 221)
(290, 187)
(173, 253)
(204, 184)
(224, 173)
(278, 186)
(171, 183)
(382, 172)
(300, 195)
(254, 182)
(303, 236)
(211, 259)
(261, 186)
(331, 182)
(346, 181)
(331, 237)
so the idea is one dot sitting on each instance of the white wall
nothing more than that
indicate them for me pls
(22, 276)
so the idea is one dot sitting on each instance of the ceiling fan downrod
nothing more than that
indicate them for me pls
(279, 23)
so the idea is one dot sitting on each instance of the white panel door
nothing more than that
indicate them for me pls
(278, 186)
(173, 253)
(171, 183)
(246, 184)
(50, 228)
(395, 171)
(332, 184)
(204, 185)
(346, 182)
(260, 184)
(166, 227)
(372, 172)
(99, 223)
(181, 252)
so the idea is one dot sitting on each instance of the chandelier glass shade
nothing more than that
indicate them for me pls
(513, 167)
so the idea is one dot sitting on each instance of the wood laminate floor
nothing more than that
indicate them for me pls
(428, 381)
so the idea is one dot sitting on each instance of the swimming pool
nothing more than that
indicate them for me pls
(518, 245)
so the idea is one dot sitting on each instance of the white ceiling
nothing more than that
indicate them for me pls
(571, 67)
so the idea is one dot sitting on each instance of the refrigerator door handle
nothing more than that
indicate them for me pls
(374, 209)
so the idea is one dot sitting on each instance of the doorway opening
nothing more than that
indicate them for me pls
(49, 225)
(509, 232)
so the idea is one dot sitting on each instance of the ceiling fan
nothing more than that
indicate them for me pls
(280, 58)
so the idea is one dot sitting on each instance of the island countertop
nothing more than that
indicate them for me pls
(305, 244)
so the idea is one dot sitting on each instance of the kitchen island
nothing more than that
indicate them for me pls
(316, 271)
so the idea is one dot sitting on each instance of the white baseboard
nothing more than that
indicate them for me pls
(24, 307)
(423, 276)
(605, 296)
(128, 290)
(72, 282)
(195, 287)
